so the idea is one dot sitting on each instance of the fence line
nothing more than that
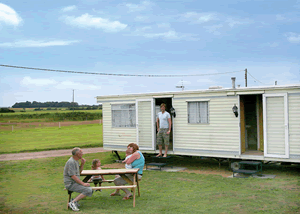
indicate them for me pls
(15, 126)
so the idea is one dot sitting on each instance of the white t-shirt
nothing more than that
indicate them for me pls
(128, 166)
(163, 120)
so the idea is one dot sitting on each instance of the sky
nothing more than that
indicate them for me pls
(214, 39)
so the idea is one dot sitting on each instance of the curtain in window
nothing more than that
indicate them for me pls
(203, 113)
(198, 112)
(123, 115)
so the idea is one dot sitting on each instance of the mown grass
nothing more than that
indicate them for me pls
(36, 186)
(51, 138)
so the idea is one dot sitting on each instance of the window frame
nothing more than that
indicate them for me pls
(188, 112)
(128, 110)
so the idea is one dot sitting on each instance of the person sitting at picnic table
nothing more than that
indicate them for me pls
(128, 154)
(72, 180)
(137, 160)
(96, 179)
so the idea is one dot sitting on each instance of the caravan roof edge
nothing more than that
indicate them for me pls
(254, 88)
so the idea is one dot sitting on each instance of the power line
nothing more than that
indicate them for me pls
(112, 74)
(256, 79)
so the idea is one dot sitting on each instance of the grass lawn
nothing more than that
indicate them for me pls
(36, 186)
(51, 138)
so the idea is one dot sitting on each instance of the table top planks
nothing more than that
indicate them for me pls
(109, 171)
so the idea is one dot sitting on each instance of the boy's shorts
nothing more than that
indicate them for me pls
(163, 137)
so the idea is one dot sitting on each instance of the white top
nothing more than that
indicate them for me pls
(128, 166)
(163, 120)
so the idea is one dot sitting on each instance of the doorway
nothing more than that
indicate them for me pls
(251, 119)
(168, 102)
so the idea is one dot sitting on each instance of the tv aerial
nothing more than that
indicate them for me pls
(181, 86)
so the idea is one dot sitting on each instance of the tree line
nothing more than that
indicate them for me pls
(52, 104)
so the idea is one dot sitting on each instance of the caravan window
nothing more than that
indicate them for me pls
(198, 112)
(123, 115)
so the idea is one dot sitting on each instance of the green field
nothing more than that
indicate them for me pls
(48, 116)
(51, 138)
(31, 111)
(36, 186)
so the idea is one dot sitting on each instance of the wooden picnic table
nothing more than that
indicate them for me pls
(121, 172)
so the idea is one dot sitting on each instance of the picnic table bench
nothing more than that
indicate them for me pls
(122, 172)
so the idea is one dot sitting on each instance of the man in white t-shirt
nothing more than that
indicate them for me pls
(163, 124)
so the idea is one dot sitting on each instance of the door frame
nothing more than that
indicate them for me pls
(137, 122)
(242, 124)
(172, 119)
(286, 126)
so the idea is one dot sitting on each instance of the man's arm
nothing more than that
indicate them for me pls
(157, 124)
(77, 180)
(82, 164)
(170, 125)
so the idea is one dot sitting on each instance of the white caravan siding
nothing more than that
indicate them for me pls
(115, 138)
(144, 124)
(294, 124)
(219, 136)
(275, 125)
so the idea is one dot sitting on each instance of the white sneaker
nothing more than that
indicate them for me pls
(76, 202)
(73, 206)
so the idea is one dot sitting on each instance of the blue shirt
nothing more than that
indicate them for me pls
(139, 163)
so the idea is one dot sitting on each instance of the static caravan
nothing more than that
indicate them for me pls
(255, 123)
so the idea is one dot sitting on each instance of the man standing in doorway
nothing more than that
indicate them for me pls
(164, 125)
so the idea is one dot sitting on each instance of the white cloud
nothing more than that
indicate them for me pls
(232, 22)
(280, 17)
(283, 77)
(9, 16)
(170, 35)
(139, 7)
(141, 18)
(199, 17)
(143, 29)
(273, 45)
(164, 25)
(297, 5)
(214, 29)
(69, 8)
(75, 85)
(28, 81)
(183, 82)
(293, 37)
(37, 82)
(149, 32)
(89, 21)
(36, 44)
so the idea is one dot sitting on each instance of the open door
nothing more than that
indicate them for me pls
(276, 132)
(242, 123)
(251, 124)
(144, 124)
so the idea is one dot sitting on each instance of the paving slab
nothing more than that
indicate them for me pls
(167, 169)
(263, 176)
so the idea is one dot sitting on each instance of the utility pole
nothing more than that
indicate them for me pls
(73, 101)
(246, 77)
